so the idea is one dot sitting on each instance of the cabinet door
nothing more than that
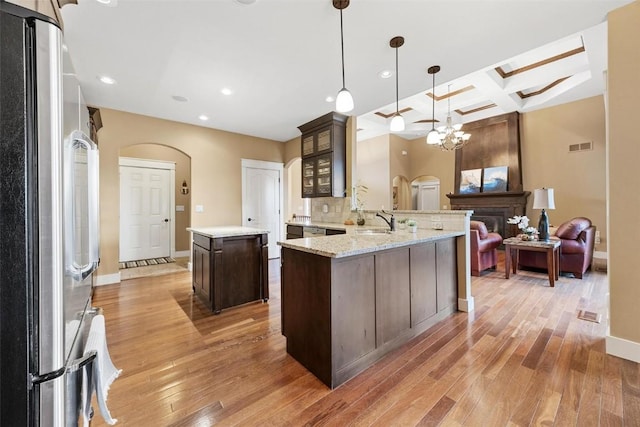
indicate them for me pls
(201, 273)
(308, 177)
(307, 145)
(447, 276)
(393, 295)
(323, 141)
(423, 282)
(323, 175)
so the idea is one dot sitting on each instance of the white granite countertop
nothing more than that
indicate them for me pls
(226, 231)
(352, 243)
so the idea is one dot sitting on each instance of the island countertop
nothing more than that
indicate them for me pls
(345, 245)
(226, 231)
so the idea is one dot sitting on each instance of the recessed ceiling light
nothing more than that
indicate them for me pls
(107, 80)
(179, 98)
(104, 1)
(203, 117)
(246, 2)
(329, 99)
(226, 91)
(385, 74)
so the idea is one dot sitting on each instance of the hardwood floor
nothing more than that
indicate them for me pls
(522, 358)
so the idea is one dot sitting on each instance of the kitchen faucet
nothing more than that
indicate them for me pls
(391, 222)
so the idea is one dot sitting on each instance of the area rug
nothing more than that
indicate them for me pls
(146, 262)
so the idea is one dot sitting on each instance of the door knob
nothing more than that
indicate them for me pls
(166, 220)
(249, 219)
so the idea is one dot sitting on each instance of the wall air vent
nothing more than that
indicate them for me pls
(583, 146)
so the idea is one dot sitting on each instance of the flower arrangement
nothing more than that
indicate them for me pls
(412, 224)
(523, 224)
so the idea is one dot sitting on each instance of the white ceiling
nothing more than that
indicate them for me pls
(281, 58)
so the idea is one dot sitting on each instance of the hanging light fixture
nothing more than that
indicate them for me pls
(397, 123)
(344, 100)
(433, 137)
(449, 137)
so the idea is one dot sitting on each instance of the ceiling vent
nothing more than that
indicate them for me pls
(583, 146)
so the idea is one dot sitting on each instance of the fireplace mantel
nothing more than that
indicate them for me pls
(493, 208)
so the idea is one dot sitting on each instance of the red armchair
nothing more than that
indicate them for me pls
(484, 246)
(577, 238)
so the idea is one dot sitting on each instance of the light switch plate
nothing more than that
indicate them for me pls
(199, 208)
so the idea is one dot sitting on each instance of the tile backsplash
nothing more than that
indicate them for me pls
(337, 210)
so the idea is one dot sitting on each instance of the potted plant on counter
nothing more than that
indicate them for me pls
(412, 225)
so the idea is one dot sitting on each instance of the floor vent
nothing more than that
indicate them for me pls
(583, 146)
(589, 316)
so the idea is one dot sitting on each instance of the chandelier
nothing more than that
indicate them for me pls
(449, 137)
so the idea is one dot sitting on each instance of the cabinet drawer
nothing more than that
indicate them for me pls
(202, 241)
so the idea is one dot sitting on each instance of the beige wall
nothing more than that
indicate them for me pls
(579, 178)
(183, 173)
(372, 165)
(216, 180)
(624, 179)
(432, 161)
(399, 164)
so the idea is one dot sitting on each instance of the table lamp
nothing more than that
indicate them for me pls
(543, 199)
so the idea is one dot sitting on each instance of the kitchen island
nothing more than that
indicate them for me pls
(229, 266)
(347, 300)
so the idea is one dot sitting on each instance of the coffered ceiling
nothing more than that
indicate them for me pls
(280, 59)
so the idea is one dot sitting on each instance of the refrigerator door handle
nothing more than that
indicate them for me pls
(80, 272)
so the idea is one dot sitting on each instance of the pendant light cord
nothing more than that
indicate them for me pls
(433, 103)
(342, 48)
(397, 80)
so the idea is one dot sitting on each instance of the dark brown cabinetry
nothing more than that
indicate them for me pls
(294, 232)
(340, 315)
(323, 156)
(230, 271)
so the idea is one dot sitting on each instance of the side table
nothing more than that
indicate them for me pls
(513, 246)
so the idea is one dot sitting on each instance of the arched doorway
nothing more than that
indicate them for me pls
(425, 193)
(181, 195)
(401, 193)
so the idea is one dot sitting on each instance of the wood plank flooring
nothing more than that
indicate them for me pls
(522, 358)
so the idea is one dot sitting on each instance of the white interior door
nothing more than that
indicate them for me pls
(145, 213)
(261, 201)
(429, 197)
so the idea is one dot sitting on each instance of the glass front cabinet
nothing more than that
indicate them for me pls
(323, 156)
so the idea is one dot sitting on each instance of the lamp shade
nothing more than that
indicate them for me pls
(344, 101)
(543, 198)
(397, 123)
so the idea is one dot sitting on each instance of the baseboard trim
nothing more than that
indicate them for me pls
(466, 305)
(181, 254)
(107, 279)
(625, 349)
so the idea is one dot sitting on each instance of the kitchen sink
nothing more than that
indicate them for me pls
(373, 231)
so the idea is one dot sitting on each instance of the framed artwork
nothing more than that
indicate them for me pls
(495, 179)
(470, 181)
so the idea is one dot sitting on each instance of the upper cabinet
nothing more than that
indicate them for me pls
(323, 156)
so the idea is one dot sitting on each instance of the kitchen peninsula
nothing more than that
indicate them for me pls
(230, 266)
(347, 300)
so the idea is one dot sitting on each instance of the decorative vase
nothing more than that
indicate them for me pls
(360, 219)
(413, 228)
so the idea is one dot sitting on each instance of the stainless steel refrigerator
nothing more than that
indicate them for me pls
(48, 224)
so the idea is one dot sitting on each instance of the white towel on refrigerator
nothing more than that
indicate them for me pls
(102, 375)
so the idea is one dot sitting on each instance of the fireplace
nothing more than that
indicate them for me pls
(493, 208)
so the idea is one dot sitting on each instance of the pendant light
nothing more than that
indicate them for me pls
(397, 123)
(449, 137)
(433, 138)
(344, 100)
